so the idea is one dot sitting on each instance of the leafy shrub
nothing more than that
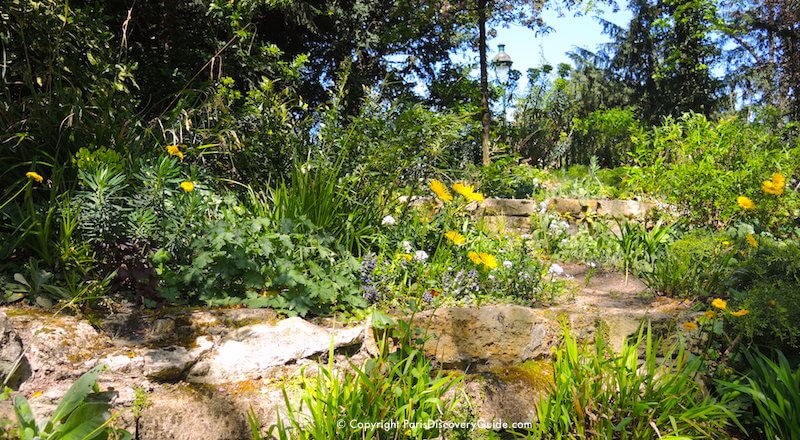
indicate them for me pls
(600, 394)
(252, 261)
(604, 134)
(702, 166)
(767, 283)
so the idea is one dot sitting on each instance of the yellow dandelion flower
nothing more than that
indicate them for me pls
(476, 197)
(456, 238)
(468, 192)
(472, 255)
(441, 191)
(488, 260)
(710, 314)
(407, 257)
(174, 150)
(187, 186)
(740, 313)
(775, 185)
(690, 326)
(751, 240)
(34, 176)
(462, 189)
(719, 303)
(745, 203)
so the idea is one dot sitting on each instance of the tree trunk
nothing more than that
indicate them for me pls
(486, 117)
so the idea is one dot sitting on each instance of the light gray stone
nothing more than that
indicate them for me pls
(248, 352)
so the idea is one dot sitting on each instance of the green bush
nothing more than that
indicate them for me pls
(702, 166)
(768, 285)
(604, 134)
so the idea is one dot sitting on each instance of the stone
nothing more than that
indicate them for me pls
(500, 223)
(188, 413)
(492, 335)
(13, 363)
(508, 207)
(248, 352)
(606, 208)
(170, 364)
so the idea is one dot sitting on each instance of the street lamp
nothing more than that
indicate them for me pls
(502, 65)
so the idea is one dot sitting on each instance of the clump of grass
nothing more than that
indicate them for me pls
(597, 393)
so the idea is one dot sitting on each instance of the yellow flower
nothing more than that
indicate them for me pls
(408, 257)
(468, 191)
(36, 394)
(745, 203)
(476, 197)
(34, 176)
(775, 185)
(751, 240)
(441, 191)
(719, 303)
(174, 150)
(472, 255)
(710, 314)
(187, 186)
(690, 326)
(455, 237)
(740, 313)
(488, 260)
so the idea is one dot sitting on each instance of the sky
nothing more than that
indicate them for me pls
(528, 50)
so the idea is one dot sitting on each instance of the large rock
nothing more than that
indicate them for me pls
(492, 335)
(249, 352)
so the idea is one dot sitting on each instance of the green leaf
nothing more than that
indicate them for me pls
(85, 423)
(77, 393)
(25, 418)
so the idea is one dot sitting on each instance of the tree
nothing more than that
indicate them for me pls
(764, 60)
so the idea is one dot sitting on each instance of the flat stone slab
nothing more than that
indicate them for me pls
(247, 353)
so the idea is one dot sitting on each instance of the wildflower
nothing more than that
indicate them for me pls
(174, 150)
(34, 176)
(555, 269)
(726, 243)
(407, 246)
(455, 237)
(472, 255)
(388, 221)
(740, 313)
(407, 257)
(751, 240)
(690, 326)
(745, 203)
(441, 191)
(420, 256)
(775, 185)
(488, 260)
(187, 186)
(427, 297)
(468, 192)
(719, 303)
(709, 314)
(507, 264)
